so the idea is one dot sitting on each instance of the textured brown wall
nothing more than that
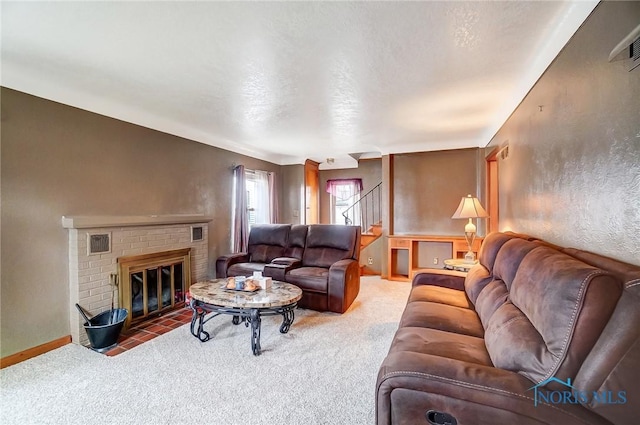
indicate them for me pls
(573, 172)
(427, 188)
(292, 205)
(369, 170)
(58, 160)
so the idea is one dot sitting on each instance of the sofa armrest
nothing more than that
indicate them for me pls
(287, 261)
(344, 284)
(277, 271)
(225, 261)
(444, 278)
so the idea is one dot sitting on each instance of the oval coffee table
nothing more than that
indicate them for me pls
(212, 297)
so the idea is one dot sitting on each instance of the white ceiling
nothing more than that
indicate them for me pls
(287, 81)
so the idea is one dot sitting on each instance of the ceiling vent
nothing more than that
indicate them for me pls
(635, 53)
(628, 49)
(98, 243)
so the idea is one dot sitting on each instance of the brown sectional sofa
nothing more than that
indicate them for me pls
(321, 259)
(534, 334)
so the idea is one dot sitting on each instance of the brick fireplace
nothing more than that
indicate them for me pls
(96, 243)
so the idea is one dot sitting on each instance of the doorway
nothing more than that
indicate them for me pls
(311, 183)
(493, 201)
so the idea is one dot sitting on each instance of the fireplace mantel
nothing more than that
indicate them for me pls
(99, 221)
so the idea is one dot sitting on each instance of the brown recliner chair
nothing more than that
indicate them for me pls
(328, 271)
(266, 242)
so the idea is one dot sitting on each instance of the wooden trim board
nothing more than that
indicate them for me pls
(33, 352)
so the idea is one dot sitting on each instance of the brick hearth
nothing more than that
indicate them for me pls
(150, 329)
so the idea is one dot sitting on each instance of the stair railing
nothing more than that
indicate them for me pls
(367, 208)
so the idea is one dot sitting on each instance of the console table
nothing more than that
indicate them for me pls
(405, 259)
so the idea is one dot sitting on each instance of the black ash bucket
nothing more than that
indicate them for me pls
(104, 329)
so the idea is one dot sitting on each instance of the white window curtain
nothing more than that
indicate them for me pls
(345, 193)
(261, 202)
(255, 202)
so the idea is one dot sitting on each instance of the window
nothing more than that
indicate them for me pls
(257, 184)
(345, 193)
(254, 202)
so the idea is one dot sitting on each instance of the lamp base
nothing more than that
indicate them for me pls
(469, 258)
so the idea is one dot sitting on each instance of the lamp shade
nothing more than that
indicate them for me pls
(470, 207)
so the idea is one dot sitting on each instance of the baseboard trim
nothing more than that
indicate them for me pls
(33, 352)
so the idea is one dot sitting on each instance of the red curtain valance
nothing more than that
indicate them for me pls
(333, 183)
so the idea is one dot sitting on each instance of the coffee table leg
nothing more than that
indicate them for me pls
(287, 320)
(198, 318)
(255, 331)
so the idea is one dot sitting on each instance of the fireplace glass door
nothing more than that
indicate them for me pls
(156, 289)
(153, 283)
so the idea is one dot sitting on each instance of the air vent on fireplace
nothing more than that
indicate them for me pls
(196, 233)
(98, 243)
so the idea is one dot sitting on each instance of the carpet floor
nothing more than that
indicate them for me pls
(322, 372)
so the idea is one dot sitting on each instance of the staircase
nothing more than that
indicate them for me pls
(367, 213)
(373, 233)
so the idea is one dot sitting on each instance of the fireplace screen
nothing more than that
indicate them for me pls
(153, 283)
(155, 289)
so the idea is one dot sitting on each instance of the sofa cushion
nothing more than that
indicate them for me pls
(438, 294)
(491, 245)
(552, 316)
(495, 293)
(480, 275)
(442, 317)
(509, 259)
(440, 343)
(441, 278)
(327, 244)
(477, 278)
(493, 296)
(309, 278)
(267, 241)
(265, 253)
(297, 239)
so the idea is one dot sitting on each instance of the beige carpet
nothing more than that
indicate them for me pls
(322, 372)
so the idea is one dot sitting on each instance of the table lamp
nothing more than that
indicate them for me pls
(470, 208)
